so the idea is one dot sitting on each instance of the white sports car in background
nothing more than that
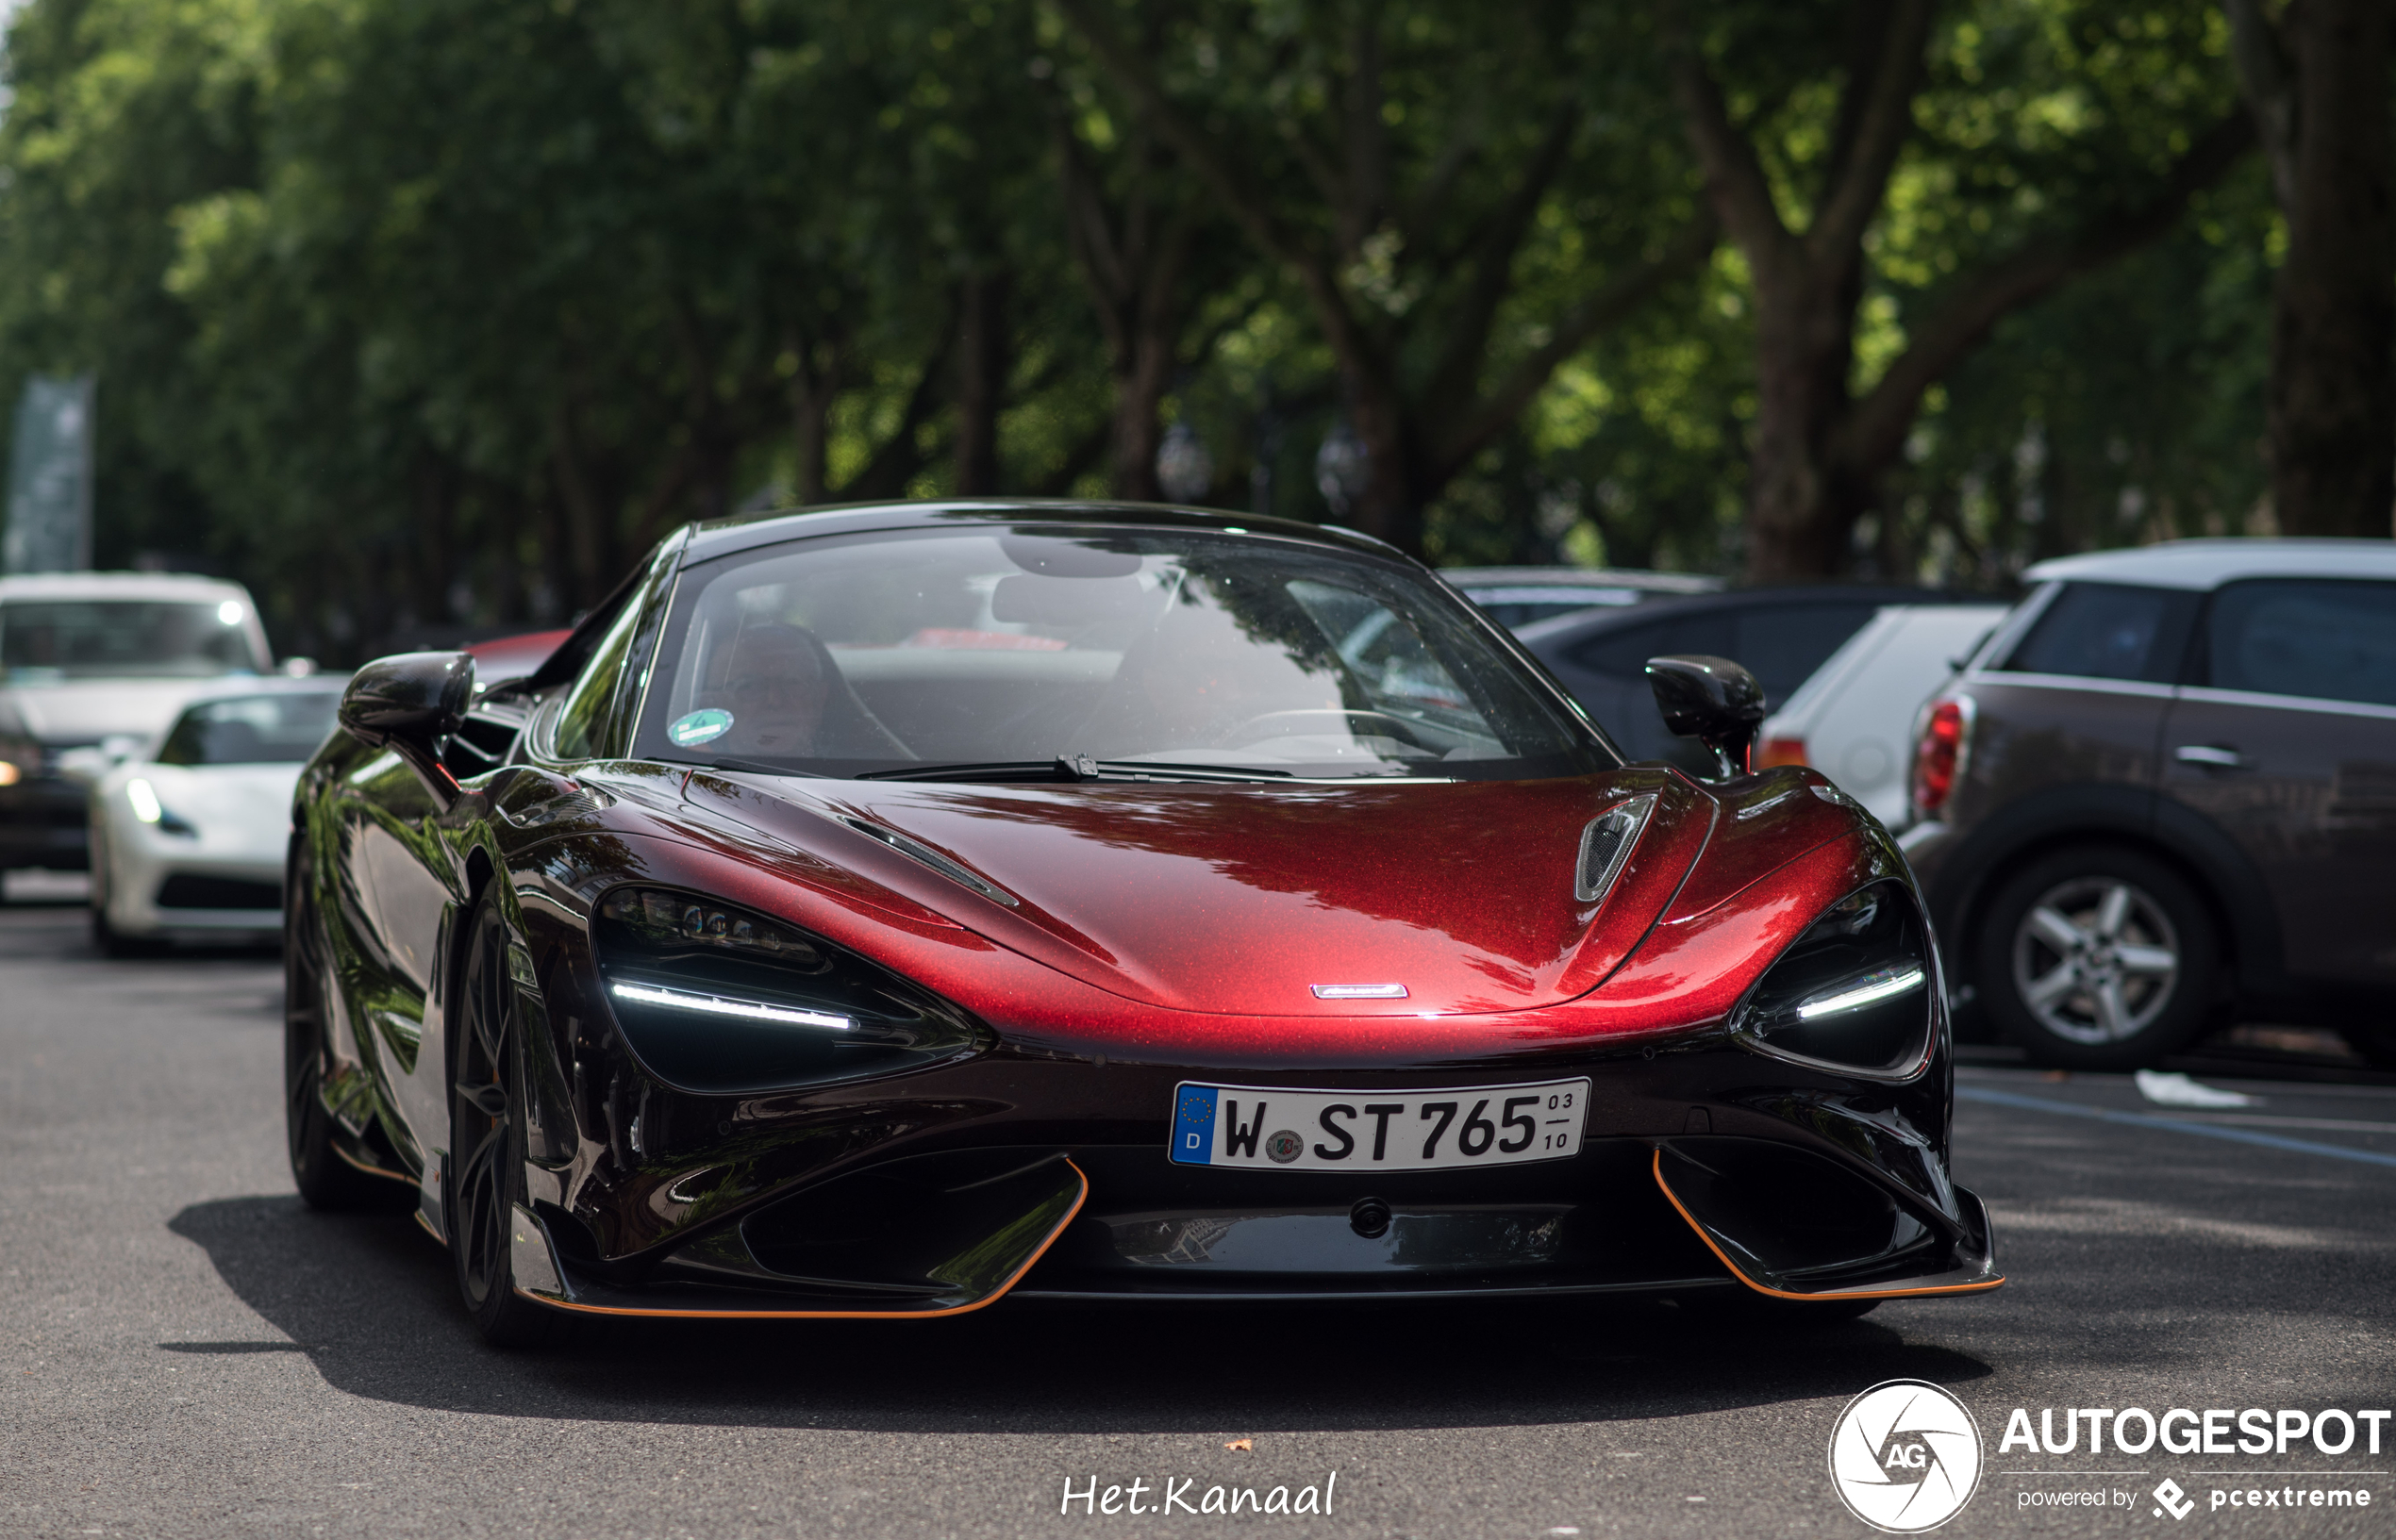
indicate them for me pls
(187, 837)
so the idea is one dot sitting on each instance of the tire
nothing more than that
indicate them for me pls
(324, 1179)
(2100, 957)
(112, 943)
(483, 1177)
(2376, 1046)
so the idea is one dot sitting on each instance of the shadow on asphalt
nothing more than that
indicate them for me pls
(370, 1302)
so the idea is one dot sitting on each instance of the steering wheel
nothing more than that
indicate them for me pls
(1286, 723)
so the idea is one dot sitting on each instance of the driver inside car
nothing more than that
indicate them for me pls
(775, 689)
(1206, 677)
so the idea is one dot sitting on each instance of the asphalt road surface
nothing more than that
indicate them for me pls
(187, 1351)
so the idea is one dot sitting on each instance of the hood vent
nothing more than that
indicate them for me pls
(1606, 847)
(925, 856)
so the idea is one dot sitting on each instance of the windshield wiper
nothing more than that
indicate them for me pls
(1073, 767)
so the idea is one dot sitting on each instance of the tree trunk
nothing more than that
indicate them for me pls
(1148, 341)
(435, 492)
(2333, 399)
(1802, 505)
(1140, 390)
(981, 381)
(1391, 507)
(586, 514)
(812, 391)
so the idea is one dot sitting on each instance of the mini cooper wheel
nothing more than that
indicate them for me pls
(2097, 959)
(483, 1176)
(324, 1179)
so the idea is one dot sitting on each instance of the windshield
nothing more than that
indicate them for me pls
(100, 638)
(1118, 653)
(280, 729)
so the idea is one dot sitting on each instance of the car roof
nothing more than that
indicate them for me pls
(168, 586)
(1469, 578)
(722, 536)
(2208, 564)
(1597, 622)
(1894, 624)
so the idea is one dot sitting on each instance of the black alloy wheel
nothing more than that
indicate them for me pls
(483, 1177)
(2097, 957)
(324, 1179)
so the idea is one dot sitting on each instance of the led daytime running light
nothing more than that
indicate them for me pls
(144, 801)
(683, 1000)
(1887, 987)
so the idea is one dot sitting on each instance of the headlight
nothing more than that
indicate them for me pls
(718, 999)
(1854, 990)
(143, 799)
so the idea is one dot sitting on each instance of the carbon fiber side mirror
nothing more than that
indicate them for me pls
(1713, 701)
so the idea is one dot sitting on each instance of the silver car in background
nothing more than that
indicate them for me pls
(1519, 596)
(1853, 718)
(92, 665)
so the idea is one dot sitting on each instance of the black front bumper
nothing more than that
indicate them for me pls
(1708, 1169)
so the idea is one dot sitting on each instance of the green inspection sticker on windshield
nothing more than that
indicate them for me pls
(700, 727)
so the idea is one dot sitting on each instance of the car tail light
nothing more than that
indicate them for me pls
(1938, 757)
(1781, 751)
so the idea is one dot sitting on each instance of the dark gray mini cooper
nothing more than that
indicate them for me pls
(2164, 791)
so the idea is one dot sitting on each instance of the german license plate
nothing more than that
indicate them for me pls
(1275, 1128)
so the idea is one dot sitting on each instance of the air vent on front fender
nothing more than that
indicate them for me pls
(933, 859)
(1605, 846)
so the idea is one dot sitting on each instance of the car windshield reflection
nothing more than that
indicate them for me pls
(1024, 655)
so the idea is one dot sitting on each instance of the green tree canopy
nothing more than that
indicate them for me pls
(416, 313)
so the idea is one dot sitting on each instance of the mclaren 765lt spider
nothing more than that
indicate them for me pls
(886, 911)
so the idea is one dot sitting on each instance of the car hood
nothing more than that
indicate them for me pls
(87, 710)
(1243, 899)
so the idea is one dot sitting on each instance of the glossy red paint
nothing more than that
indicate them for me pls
(1378, 889)
(1238, 900)
(1764, 821)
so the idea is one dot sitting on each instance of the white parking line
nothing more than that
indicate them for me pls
(2211, 1131)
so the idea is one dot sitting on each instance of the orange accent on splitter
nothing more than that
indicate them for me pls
(371, 1170)
(992, 1297)
(1784, 1294)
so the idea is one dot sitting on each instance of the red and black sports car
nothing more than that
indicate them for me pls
(881, 911)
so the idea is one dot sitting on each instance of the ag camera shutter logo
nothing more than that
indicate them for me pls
(1905, 1456)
